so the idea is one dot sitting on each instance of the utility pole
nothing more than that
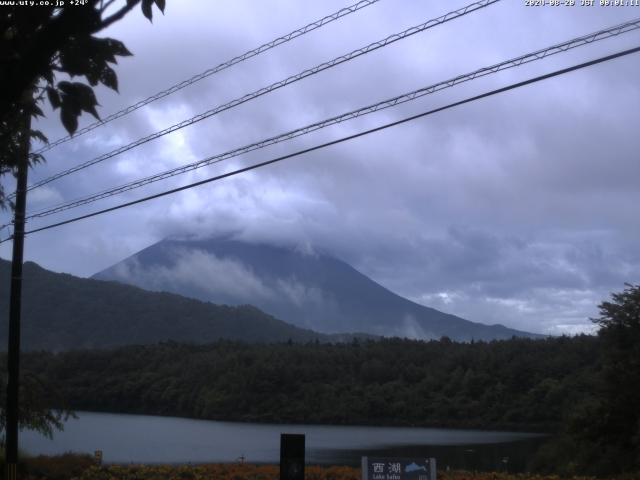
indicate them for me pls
(13, 357)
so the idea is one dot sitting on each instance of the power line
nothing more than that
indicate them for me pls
(274, 86)
(223, 66)
(343, 139)
(406, 97)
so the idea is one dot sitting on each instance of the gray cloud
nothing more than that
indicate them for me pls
(519, 209)
(202, 271)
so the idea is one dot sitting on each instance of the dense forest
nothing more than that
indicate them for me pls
(519, 384)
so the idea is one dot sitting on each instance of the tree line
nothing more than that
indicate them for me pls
(518, 384)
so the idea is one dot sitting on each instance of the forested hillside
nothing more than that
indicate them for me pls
(61, 312)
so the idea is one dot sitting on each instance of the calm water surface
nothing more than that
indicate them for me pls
(149, 439)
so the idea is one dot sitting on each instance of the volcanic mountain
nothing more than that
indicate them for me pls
(309, 289)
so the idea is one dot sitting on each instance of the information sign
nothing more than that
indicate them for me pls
(391, 468)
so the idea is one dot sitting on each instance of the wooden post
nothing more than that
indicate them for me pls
(13, 356)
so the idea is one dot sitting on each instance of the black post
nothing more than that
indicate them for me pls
(291, 456)
(13, 357)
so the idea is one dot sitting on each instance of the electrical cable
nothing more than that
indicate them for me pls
(274, 86)
(341, 140)
(406, 97)
(223, 66)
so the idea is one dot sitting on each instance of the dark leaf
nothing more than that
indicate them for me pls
(85, 92)
(109, 78)
(77, 93)
(36, 158)
(39, 135)
(86, 99)
(75, 57)
(71, 103)
(89, 56)
(36, 111)
(65, 87)
(71, 98)
(92, 110)
(117, 47)
(146, 9)
(54, 97)
(161, 4)
(105, 53)
(69, 119)
(93, 76)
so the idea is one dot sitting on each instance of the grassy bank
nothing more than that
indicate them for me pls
(271, 472)
(83, 467)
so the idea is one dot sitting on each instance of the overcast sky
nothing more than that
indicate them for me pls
(519, 209)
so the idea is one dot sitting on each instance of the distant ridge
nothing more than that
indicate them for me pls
(303, 287)
(62, 312)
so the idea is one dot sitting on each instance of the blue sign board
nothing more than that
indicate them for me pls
(391, 468)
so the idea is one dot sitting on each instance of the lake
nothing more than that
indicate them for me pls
(150, 439)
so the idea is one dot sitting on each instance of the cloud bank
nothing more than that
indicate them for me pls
(519, 209)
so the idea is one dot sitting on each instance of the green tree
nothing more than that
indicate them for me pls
(37, 394)
(37, 43)
(604, 429)
(619, 424)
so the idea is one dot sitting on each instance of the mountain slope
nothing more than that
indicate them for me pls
(61, 312)
(311, 290)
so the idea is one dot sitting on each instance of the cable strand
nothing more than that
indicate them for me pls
(343, 139)
(400, 99)
(274, 86)
(211, 71)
